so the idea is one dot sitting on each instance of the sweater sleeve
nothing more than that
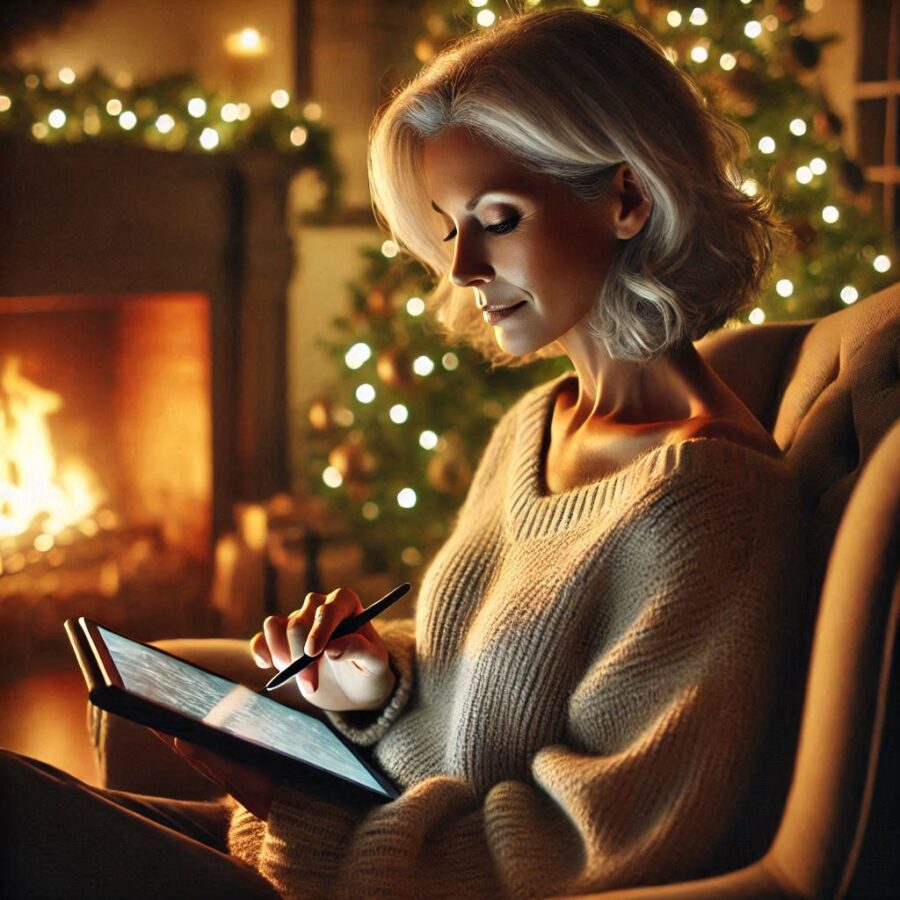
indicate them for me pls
(664, 725)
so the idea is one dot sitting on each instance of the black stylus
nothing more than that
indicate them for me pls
(348, 626)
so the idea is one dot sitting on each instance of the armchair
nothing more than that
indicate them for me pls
(829, 392)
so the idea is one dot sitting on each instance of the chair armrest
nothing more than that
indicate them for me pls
(131, 758)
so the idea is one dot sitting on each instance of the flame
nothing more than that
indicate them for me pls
(33, 484)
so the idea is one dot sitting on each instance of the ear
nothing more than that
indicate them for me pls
(631, 206)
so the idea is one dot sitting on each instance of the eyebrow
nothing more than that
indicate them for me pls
(470, 204)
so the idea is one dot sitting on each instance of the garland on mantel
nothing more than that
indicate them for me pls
(174, 113)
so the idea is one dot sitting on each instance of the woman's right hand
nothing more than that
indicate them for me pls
(353, 673)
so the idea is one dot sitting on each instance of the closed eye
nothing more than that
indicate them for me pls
(504, 227)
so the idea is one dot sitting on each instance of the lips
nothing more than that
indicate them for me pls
(494, 314)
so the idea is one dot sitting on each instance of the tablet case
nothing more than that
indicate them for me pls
(114, 701)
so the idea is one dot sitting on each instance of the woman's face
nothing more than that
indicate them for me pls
(535, 255)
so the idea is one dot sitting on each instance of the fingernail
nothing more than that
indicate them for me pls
(333, 653)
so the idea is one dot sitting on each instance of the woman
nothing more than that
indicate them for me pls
(585, 693)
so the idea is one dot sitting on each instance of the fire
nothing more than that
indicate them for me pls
(35, 490)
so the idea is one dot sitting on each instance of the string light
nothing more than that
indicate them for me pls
(229, 112)
(428, 440)
(477, 4)
(831, 214)
(299, 135)
(66, 75)
(753, 29)
(485, 18)
(422, 365)
(770, 23)
(243, 112)
(357, 355)
(699, 53)
(209, 138)
(90, 121)
(881, 263)
(593, 4)
(56, 118)
(727, 61)
(784, 287)
(165, 123)
(797, 127)
(196, 107)
(332, 477)
(411, 556)
(698, 16)
(128, 120)
(407, 498)
(398, 413)
(313, 111)
(5, 103)
(370, 510)
(114, 107)
(365, 393)
(804, 174)
(389, 249)
(849, 294)
(280, 98)
(750, 187)
(450, 361)
(818, 166)
(415, 306)
(32, 81)
(757, 316)
(674, 18)
(766, 144)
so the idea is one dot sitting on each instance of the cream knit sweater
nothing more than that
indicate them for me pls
(582, 694)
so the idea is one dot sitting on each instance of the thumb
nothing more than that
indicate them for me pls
(360, 650)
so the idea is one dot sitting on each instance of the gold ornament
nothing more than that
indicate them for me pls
(352, 460)
(321, 415)
(379, 302)
(394, 367)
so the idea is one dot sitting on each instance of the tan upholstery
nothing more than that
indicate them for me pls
(829, 392)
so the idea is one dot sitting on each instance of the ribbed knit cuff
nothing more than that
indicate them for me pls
(366, 728)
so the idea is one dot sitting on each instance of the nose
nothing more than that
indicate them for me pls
(470, 265)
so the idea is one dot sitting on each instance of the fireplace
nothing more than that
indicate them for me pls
(142, 310)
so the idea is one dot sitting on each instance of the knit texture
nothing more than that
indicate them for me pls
(584, 689)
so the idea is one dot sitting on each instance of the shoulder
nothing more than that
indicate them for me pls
(743, 431)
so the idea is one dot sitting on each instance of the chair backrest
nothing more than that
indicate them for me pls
(827, 391)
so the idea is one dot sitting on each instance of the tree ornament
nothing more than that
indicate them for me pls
(379, 302)
(448, 470)
(806, 52)
(826, 124)
(321, 414)
(352, 459)
(394, 367)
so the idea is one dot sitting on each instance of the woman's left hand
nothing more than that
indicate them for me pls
(251, 787)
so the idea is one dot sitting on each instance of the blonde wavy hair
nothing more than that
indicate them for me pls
(572, 93)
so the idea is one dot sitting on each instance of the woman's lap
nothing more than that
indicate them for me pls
(63, 838)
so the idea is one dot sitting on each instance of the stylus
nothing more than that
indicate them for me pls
(348, 626)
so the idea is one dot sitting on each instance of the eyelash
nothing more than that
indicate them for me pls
(504, 227)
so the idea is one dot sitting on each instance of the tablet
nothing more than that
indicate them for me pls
(160, 690)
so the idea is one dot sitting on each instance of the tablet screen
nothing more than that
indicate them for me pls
(233, 708)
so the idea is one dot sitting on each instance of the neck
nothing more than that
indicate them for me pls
(633, 395)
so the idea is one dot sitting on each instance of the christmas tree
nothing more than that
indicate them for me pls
(393, 446)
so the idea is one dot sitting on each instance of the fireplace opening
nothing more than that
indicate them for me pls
(105, 464)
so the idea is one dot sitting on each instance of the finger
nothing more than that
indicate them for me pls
(356, 648)
(308, 680)
(260, 651)
(300, 622)
(340, 605)
(276, 640)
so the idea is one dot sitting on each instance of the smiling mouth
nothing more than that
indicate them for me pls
(494, 314)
